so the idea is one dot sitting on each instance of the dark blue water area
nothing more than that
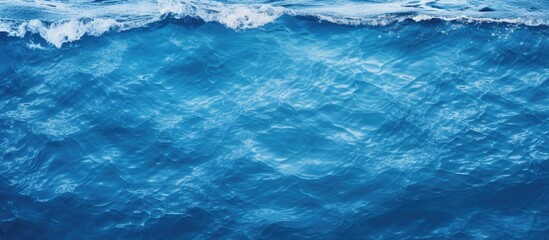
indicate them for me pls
(299, 129)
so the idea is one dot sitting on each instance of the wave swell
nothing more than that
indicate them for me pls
(239, 17)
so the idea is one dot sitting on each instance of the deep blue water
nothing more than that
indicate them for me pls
(274, 119)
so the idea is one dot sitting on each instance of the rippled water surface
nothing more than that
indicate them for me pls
(274, 119)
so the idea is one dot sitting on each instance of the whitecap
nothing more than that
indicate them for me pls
(97, 20)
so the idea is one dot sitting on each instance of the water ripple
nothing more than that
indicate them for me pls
(296, 130)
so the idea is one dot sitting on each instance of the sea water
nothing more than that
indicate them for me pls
(289, 119)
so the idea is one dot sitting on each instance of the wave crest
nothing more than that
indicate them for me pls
(235, 16)
(62, 32)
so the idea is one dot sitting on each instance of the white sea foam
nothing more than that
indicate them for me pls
(387, 19)
(36, 46)
(70, 31)
(61, 32)
(95, 21)
(235, 16)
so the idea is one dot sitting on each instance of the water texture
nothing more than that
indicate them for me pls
(293, 119)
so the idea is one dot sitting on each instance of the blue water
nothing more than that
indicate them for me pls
(293, 119)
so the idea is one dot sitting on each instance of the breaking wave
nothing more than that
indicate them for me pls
(240, 17)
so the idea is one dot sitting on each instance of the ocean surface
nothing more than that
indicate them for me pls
(288, 119)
